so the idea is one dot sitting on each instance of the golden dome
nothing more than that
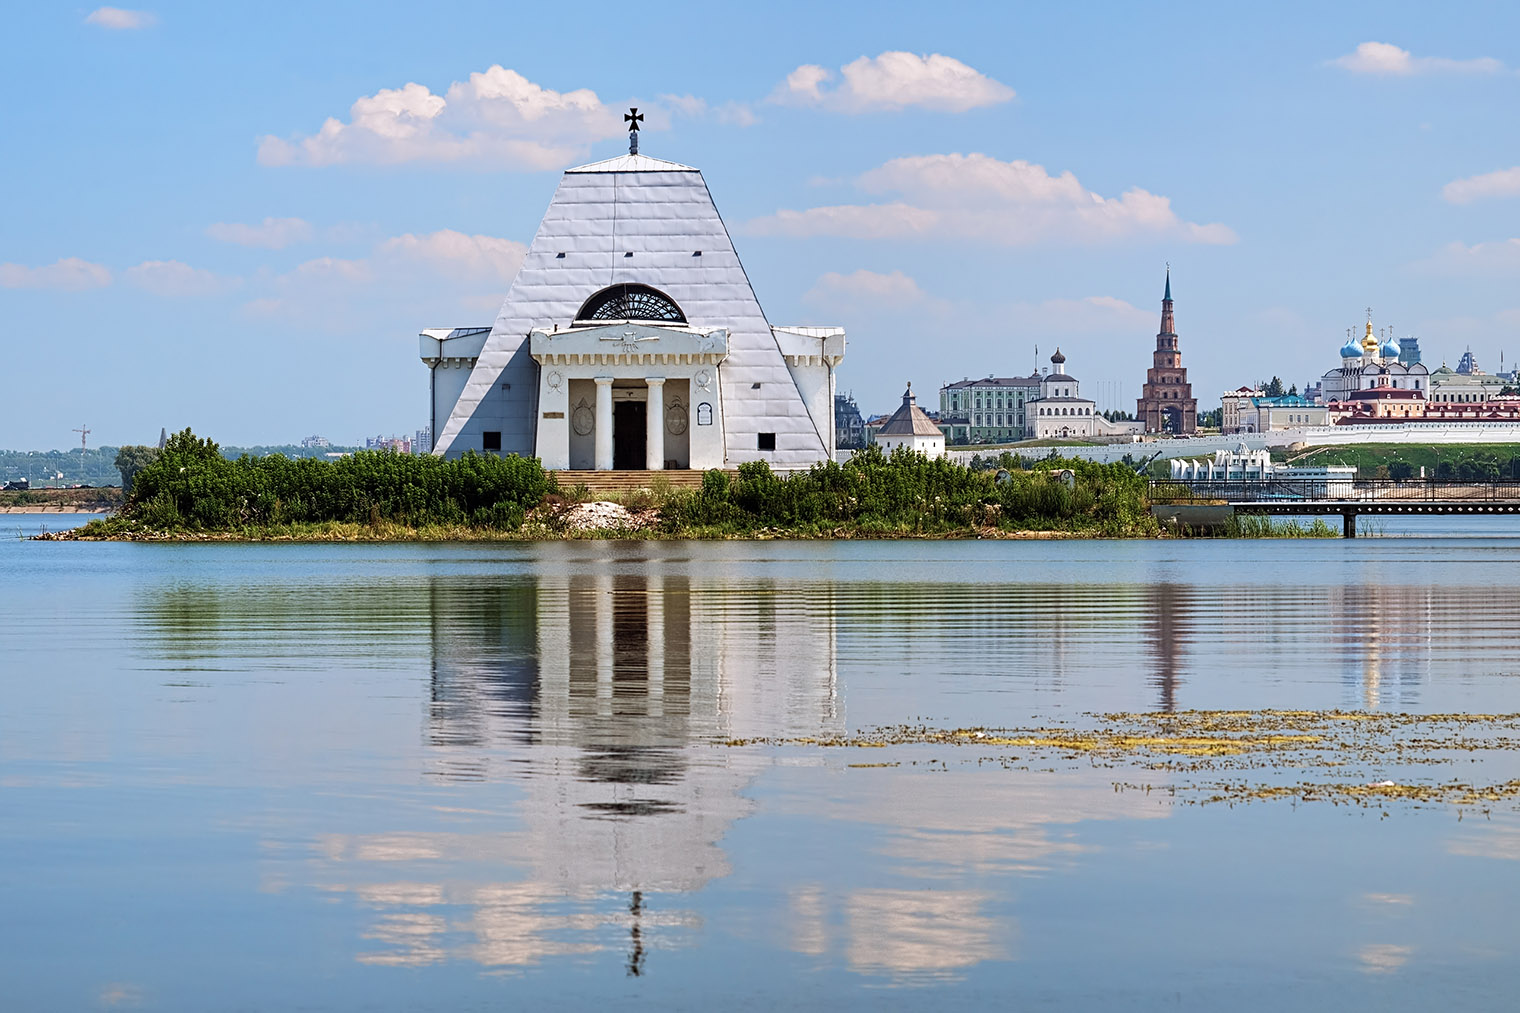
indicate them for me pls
(1370, 341)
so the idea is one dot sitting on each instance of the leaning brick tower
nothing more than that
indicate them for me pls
(1166, 403)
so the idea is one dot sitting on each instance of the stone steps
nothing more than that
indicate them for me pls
(628, 481)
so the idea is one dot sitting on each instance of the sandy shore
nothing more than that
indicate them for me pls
(47, 509)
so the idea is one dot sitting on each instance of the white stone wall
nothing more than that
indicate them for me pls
(929, 446)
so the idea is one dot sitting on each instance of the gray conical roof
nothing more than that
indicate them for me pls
(909, 420)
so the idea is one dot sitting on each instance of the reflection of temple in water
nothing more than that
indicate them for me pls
(601, 696)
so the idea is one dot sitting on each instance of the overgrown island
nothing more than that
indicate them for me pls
(189, 491)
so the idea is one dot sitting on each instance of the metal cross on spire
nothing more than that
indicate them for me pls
(633, 118)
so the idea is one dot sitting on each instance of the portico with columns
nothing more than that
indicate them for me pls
(629, 396)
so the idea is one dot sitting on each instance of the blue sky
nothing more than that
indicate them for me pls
(184, 243)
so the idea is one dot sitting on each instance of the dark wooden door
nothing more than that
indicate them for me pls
(628, 436)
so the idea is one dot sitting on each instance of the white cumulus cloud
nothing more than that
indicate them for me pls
(1503, 183)
(421, 271)
(1387, 59)
(737, 114)
(270, 234)
(981, 198)
(891, 288)
(497, 118)
(119, 20)
(70, 274)
(175, 279)
(1496, 257)
(892, 81)
(448, 250)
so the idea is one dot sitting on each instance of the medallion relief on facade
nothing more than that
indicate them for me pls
(583, 419)
(675, 417)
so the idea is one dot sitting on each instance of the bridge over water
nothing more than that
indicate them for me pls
(1348, 499)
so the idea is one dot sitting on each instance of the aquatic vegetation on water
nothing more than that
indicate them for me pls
(1359, 747)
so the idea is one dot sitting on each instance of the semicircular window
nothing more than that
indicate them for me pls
(631, 302)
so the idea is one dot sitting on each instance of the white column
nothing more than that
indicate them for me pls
(603, 423)
(654, 425)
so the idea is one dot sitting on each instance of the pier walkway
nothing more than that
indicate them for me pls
(1348, 499)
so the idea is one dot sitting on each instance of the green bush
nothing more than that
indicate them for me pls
(190, 484)
(907, 493)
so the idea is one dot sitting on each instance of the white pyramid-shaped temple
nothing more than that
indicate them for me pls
(631, 339)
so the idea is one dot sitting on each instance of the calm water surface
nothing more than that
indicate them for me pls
(355, 777)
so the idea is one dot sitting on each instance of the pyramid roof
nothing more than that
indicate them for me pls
(909, 420)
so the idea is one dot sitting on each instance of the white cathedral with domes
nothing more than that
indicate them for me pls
(1061, 412)
(631, 339)
(1367, 364)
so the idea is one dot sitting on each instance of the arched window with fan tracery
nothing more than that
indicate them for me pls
(630, 301)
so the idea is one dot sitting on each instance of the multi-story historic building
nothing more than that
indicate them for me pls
(1234, 403)
(1166, 403)
(1290, 411)
(1452, 386)
(849, 426)
(989, 410)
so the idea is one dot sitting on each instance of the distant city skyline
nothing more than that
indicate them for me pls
(239, 219)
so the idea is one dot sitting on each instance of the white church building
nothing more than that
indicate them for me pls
(1368, 364)
(1061, 412)
(631, 339)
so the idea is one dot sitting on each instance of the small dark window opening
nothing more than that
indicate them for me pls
(490, 440)
(754, 386)
(697, 254)
(628, 254)
(767, 441)
(559, 256)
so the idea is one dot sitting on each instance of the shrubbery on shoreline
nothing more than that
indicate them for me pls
(191, 490)
(908, 494)
(190, 485)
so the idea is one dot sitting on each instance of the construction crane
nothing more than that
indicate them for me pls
(84, 436)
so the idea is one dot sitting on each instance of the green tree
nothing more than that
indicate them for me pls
(1400, 470)
(1273, 387)
(131, 460)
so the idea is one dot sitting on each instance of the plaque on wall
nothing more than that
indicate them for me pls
(583, 419)
(704, 414)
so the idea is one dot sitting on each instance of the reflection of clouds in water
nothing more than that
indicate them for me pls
(504, 925)
(380, 847)
(1383, 958)
(993, 821)
(922, 932)
(809, 931)
(1491, 840)
(1389, 900)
